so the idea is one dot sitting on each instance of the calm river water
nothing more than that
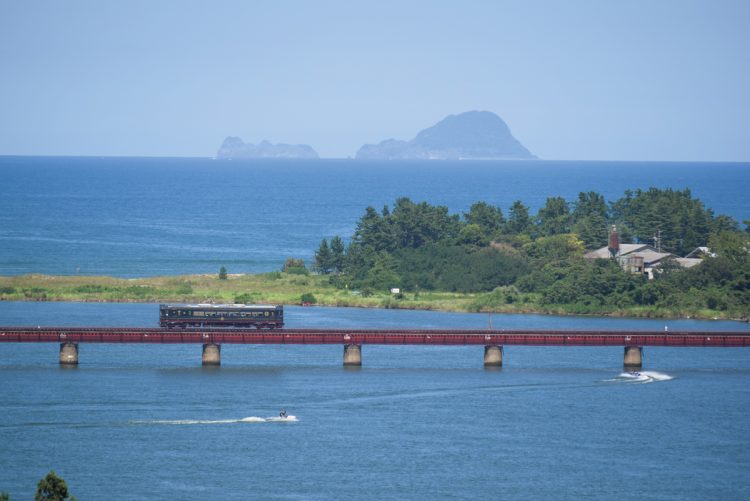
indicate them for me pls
(148, 422)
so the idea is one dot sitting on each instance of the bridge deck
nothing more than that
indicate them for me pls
(375, 336)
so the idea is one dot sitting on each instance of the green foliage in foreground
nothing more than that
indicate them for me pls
(52, 488)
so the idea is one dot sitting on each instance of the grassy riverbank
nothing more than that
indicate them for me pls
(286, 288)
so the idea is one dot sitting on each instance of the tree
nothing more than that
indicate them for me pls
(372, 231)
(52, 488)
(724, 223)
(554, 248)
(554, 218)
(471, 234)
(323, 258)
(337, 254)
(519, 220)
(590, 219)
(414, 225)
(488, 218)
(4, 496)
(680, 221)
(733, 246)
(222, 273)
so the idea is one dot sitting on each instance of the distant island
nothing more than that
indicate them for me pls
(469, 135)
(235, 148)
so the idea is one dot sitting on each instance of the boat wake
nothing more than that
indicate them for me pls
(641, 377)
(249, 419)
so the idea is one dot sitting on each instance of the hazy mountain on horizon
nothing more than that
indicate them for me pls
(468, 135)
(234, 147)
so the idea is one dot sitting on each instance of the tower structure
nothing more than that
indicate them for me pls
(614, 242)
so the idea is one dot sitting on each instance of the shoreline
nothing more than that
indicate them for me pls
(287, 289)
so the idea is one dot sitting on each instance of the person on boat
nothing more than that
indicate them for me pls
(282, 414)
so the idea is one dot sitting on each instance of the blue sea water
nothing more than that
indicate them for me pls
(152, 216)
(415, 422)
(148, 422)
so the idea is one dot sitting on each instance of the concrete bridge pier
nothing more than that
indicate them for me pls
(68, 353)
(633, 358)
(352, 355)
(211, 354)
(493, 356)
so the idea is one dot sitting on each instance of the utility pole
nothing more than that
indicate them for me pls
(657, 240)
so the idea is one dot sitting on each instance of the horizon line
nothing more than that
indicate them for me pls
(369, 160)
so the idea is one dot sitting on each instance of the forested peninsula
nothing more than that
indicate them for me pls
(683, 259)
(673, 258)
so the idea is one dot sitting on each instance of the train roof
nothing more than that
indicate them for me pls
(223, 306)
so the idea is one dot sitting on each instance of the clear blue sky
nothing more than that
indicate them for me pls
(620, 80)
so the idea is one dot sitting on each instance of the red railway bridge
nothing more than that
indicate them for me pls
(353, 339)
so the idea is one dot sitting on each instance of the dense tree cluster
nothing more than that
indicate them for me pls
(418, 246)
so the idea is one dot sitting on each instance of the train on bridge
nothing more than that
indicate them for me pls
(215, 324)
(238, 316)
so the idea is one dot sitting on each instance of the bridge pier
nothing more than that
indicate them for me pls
(352, 355)
(493, 356)
(211, 354)
(68, 353)
(633, 357)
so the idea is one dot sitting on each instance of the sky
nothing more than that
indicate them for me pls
(574, 80)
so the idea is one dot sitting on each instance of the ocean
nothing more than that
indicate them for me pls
(415, 422)
(133, 217)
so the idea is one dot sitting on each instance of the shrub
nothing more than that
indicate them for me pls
(139, 291)
(35, 293)
(246, 297)
(295, 270)
(90, 289)
(184, 288)
(308, 298)
(292, 263)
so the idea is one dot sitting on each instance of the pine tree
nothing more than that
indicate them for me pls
(554, 218)
(590, 219)
(323, 258)
(337, 254)
(518, 219)
(222, 273)
(489, 219)
(52, 488)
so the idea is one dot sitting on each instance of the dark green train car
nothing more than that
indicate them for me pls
(221, 315)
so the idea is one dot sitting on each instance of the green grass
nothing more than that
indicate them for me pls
(287, 288)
